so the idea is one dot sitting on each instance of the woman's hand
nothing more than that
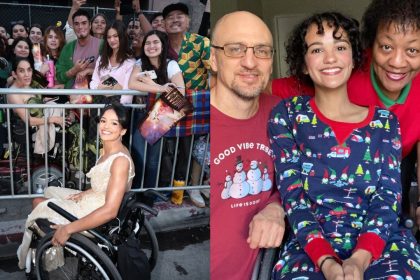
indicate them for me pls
(168, 87)
(332, 270)
(44, 68)
(61, 235)
(355, 266)
(76, 197)
(147, 80)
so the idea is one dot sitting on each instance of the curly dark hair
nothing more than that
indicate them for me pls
(296, 46)
(161, 72)
(405, 13)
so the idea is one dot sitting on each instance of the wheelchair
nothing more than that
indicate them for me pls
(93, 255)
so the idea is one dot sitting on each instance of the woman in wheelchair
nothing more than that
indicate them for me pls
(111, 178)
(22, 70)
(337, 166)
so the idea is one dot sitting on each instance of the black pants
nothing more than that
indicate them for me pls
(167, 161)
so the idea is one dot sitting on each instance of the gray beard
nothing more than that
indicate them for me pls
(246, 94)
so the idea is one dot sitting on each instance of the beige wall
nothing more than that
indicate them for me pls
(268, 10)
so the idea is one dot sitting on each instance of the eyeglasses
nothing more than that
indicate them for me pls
(238, 50)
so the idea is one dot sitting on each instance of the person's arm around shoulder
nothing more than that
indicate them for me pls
(117, 187)
(267, 227)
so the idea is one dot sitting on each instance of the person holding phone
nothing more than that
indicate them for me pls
(73, 67)
(153, 73)
(114, 66)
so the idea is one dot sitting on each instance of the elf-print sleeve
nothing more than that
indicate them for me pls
(289, 182)
(385, 203)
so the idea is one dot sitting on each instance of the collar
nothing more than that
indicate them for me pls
(385, 99)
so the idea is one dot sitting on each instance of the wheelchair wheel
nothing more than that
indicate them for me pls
(150, 245)
(39, 179)
(82, 258)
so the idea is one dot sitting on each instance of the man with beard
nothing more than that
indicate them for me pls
(77, 59)
(245, 205)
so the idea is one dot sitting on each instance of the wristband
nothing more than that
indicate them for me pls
(323, 261)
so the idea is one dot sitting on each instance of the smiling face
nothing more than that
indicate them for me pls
(99, 25)
(19, 31)
(52, 40)
(176, 22)
(35, 35)
(243, 77)
(158, 24)
(110, 128)
(21, 49)
(152, 46)
(81, 27)
(328, 60)
(395, 57)
(22, 75)
(113, 39)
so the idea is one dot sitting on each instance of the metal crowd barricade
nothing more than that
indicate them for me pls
(10, 165)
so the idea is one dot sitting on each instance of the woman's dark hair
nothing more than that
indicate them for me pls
(124, 51)
(161, 72)
(17, 60)
(19, 22)
(61, 40)
(12, 55)
(404, 13)
(120, 111)
(296, 46)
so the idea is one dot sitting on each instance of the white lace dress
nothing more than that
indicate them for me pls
(99, 176)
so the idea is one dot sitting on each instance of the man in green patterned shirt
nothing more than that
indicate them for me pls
(192, 52)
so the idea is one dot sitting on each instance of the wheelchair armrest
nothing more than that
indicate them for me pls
(72, 218)
(62, 212)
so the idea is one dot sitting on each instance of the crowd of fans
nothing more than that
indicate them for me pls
(102, 53)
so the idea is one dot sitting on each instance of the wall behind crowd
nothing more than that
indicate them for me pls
(281, 17)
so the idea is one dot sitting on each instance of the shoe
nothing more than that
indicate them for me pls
(177, 195)
(206, 193)
(196, 198)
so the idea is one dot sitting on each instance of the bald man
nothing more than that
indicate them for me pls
(245, 205)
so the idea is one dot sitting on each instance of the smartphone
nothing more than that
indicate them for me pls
(110, 81)
(90, 59)
(151, 74)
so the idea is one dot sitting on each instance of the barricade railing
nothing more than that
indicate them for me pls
(18, 171)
